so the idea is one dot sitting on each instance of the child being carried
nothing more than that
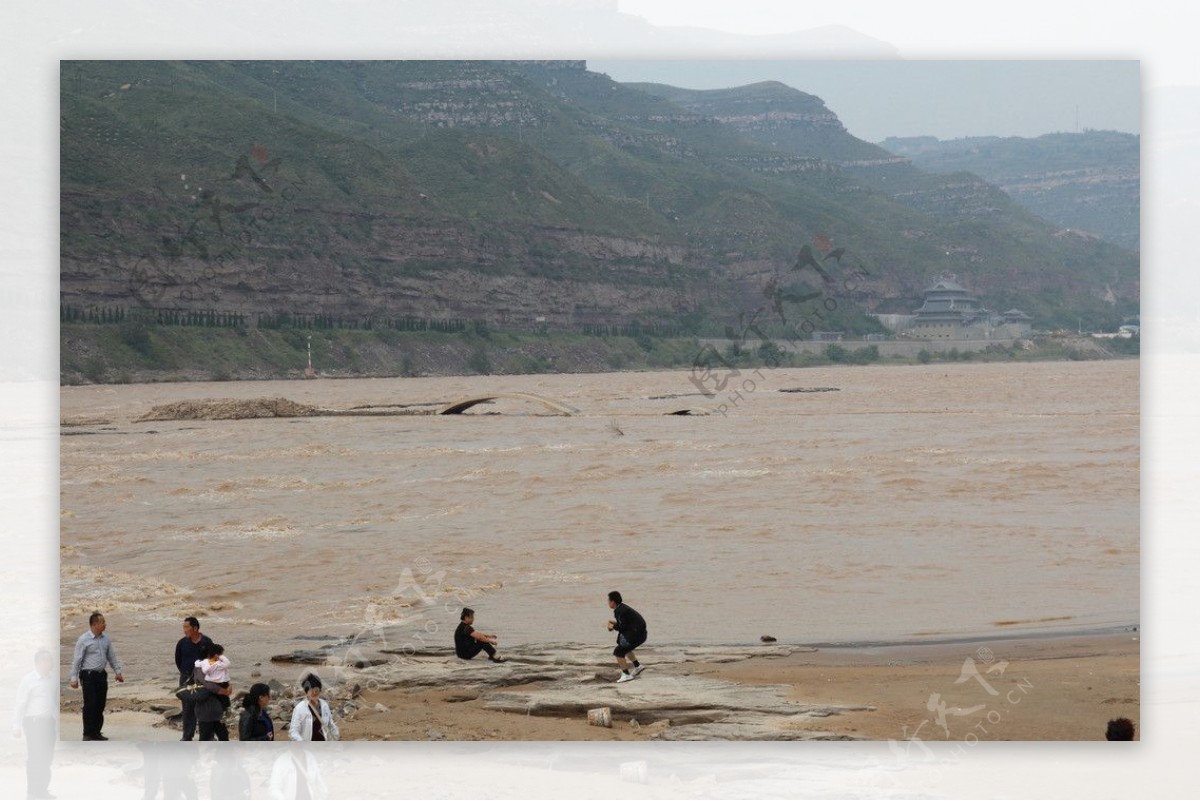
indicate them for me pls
(216, 668)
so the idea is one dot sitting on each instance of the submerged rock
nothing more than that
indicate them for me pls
(303, 657)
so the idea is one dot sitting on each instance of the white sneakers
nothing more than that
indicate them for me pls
(631, 676)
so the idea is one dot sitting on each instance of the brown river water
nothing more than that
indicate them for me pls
(914, 503)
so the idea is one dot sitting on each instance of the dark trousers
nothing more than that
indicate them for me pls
(626, 645)
(40, 737)
(189, 711)
(170, 767)
(474, 647)
(213, 730)
(94, 684)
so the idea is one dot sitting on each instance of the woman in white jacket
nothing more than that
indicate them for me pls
(312, 719)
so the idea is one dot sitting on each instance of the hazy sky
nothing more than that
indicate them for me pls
(946, 99)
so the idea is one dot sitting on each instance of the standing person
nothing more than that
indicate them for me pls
(228, 778)
(210, 709)
(255, 723)
(468, 642)
(631, 633)
(37, 718)
(312, 719)
(168, 767)
(94, 650)
(296, 774)
(189, 648)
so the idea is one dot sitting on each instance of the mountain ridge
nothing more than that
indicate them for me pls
(506, 192)
(1088, 181)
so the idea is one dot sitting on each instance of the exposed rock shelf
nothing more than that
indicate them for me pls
(568, 680)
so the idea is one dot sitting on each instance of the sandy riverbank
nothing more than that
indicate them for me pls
(1055, 688)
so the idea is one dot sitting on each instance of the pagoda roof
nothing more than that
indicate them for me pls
(946, 284)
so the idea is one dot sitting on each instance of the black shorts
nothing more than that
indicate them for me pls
(627, 644)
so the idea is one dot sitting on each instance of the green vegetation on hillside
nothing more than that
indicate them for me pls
(133, 352)
(517, 194)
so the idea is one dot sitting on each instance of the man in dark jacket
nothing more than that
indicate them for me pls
(631, 632)
(189, 648)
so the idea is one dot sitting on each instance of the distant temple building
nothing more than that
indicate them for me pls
(1018, 318)
(950, 311)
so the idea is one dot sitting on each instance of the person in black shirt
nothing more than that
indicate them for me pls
(255, 722)
(631, 633)
(468, 642)
(189, 648)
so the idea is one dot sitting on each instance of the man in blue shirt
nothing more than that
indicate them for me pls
(93, 651)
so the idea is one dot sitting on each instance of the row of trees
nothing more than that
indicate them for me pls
(325, 322)
(212, 318)
(115, 315)
(633, 330)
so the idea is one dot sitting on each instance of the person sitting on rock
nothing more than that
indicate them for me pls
(468, 642)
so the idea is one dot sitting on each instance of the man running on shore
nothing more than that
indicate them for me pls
(468, 642)
(189, 649)
(93, 651)
(631, 633)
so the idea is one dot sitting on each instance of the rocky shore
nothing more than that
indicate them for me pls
(1052, 688)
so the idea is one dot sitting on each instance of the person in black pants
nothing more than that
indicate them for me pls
(631, 633)
(93, 651)
(169, 767)
(94, 684)
(210, 711)
(189, 649)
(468, 642)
